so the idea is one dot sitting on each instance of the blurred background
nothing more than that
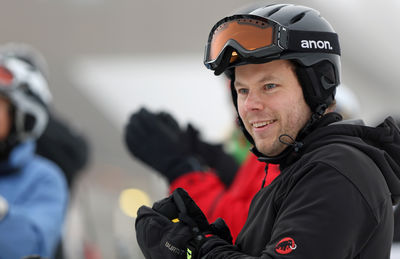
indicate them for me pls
(108, 58)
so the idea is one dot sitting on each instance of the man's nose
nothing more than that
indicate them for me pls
(253, 101)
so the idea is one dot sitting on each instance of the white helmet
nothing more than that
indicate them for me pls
(25, 86)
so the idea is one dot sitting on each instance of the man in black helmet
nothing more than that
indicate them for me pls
(338, 182)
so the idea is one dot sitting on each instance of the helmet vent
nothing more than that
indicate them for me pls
(297, 18)
(275, 10)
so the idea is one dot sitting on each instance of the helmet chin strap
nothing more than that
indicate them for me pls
(317, 114)
(295, 144)
(298, 144)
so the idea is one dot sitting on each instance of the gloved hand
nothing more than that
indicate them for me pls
(156, 139)
(213, 155)
(175, 227)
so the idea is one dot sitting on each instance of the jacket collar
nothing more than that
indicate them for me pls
(19, 156)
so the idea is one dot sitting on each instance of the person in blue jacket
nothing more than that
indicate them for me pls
(33, 190)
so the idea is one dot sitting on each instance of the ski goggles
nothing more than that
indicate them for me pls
(6, 77)
(248, 37)
(11, 73)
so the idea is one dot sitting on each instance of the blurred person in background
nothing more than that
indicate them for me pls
(320, 206)
(60, 142)
(33, 190)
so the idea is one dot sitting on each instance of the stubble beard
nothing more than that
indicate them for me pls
(271, 149)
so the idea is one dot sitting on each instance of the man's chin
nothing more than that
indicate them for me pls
(270, 151)
(264, 151)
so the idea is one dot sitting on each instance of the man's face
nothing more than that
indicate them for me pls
(5, 120)
(270, 103)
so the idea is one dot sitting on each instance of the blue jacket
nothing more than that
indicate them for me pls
(37, 197)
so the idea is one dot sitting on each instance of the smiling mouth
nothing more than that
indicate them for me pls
(260, 124)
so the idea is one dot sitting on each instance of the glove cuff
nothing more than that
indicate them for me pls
(208, 244)
(182, 166)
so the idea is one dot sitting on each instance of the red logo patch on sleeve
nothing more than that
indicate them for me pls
(285, 246)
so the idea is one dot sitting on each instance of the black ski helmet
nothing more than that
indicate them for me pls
(279, 31)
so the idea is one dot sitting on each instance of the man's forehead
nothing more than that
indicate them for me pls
(266, 78)
(258, 73)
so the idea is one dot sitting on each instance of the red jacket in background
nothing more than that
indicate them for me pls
(231, 204)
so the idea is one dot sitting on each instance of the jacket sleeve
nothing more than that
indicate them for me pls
(233, 205)
(34, 221)
(205, 188)
(323, 216)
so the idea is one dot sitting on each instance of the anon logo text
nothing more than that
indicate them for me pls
(319, 44)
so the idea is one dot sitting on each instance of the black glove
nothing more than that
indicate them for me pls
(169, 141)
(179, 205)
(156, 140)
(212, 155)
(175, 227)
(160, 238)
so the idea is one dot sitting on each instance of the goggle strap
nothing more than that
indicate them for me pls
(225, 61)
(313, 41)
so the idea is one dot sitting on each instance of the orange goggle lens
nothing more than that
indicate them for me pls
(6, 77)
(251, 34)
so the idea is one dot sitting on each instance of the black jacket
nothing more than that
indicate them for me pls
(333, 199)
(65, 146)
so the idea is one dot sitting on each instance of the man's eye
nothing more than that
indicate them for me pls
(269, 86)
(242, 91)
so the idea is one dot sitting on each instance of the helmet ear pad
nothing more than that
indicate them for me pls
(29, 122)
(318, 82)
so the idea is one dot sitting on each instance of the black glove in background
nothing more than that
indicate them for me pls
(213, 155)
(156, 140)
(150, 136)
